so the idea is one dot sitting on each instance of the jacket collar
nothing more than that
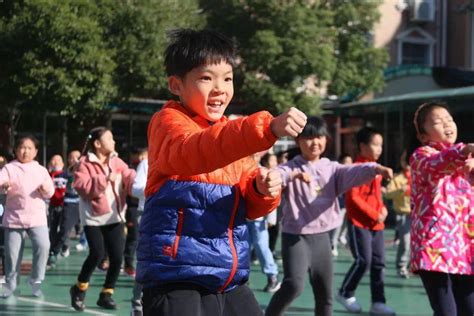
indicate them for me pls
(172, 104)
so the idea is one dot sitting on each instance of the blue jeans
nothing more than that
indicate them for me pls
(258, 234)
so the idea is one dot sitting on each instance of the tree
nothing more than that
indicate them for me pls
(74, 55)
(295, 52)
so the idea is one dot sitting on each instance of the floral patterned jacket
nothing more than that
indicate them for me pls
(442, 200)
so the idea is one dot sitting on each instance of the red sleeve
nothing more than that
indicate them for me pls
(179, 146)
(354, 199)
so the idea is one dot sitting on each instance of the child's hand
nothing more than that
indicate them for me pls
(268, 182)
(303, 176)
(43, 189)
(469, 165)
(385, 172)
(382, 215)
(290, 123)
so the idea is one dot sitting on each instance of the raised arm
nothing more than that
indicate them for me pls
(427, 160)
(181, 147)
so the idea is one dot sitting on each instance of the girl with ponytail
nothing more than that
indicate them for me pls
(103, 181)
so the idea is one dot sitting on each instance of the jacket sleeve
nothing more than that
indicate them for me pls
(353, 196)
(87, 185)
(139, 183)
(437, 164)
(186, 149)
(257, 205)
(354, 175)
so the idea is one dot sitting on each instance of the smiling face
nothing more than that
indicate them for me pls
(439, 126)
(26, 151)
(373, 149)
(312, 147)
(206, 90)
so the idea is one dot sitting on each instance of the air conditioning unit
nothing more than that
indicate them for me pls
(422, 10)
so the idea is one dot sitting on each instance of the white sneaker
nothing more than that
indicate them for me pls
(334, 252)
(381, 309)
(80, 247)
(7, 290)
(66, 253)
(35, 288)
(350, 303)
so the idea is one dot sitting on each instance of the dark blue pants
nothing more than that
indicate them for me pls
(449, 294)
(367, 247)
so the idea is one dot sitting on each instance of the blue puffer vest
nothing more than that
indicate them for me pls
(194, 232)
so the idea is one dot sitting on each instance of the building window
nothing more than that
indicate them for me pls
(415, 54)
(415, 47)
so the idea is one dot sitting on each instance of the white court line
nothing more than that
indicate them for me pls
(41, 302)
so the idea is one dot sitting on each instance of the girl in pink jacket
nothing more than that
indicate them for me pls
(27, 184)
(442, 198)
(103, 181)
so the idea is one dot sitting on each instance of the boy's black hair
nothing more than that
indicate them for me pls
(365, 135)
(315, 127)
(189, 49)
(265, 159)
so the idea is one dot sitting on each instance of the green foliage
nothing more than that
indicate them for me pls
(74, 55)
(292, 49)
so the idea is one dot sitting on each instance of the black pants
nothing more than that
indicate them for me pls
(110, 237)
(55, 213)
(304, 255)
(367, 247)
(68, 218)
(183, 299)
(131, 218)
(449, 294)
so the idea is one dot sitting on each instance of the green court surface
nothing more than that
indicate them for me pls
(407, 297)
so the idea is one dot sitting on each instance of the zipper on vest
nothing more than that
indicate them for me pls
(179, 229)
(230, 234)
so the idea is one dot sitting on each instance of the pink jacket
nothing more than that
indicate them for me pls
(25, 206)
(442, 228)
(90, 181)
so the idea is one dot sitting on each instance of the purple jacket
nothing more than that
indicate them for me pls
(313, 208)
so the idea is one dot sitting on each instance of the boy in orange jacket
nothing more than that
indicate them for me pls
(202, 185)
(366, 214)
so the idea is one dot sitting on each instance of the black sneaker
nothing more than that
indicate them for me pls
(77, 298)
(106, 301)
(273, 285)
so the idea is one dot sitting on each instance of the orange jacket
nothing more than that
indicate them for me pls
(364, 203)
(187, 148)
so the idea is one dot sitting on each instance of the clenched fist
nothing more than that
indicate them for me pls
(268, 182)
(290, 123)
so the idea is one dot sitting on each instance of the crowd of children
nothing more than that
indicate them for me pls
(203, 200)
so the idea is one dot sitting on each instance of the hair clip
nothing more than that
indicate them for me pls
(89, 136)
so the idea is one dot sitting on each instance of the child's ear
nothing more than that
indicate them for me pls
(422, 137)
(175, 85)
